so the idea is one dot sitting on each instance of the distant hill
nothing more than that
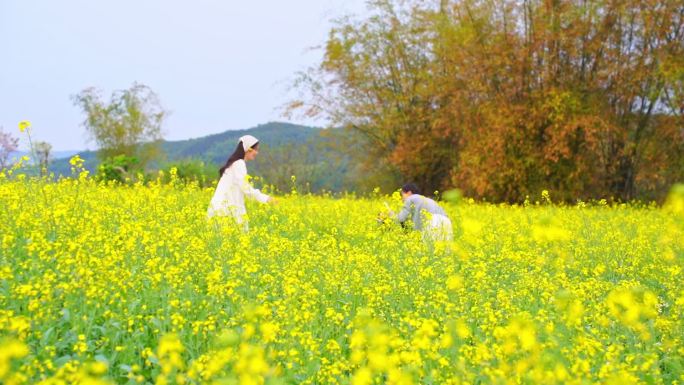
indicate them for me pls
(15, 155)
(213, 149)
(286, 150)
(216, 148)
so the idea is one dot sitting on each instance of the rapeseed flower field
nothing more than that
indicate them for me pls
(106, 284)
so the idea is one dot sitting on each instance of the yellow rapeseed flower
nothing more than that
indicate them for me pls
(10, 350)
(24, 125)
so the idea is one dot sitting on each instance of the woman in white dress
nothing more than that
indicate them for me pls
(233, 185)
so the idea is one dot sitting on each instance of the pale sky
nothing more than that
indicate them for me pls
(216, 65)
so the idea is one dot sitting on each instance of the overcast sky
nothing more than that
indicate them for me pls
(215, 64)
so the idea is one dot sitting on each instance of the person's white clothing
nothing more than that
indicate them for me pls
(438, 228)
(229, 197)
(427, 217)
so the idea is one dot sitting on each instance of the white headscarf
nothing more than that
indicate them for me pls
(248, 141)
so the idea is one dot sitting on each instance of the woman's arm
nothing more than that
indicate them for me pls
(245, 186)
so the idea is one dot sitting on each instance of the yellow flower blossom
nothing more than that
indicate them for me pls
(24, 125)
(132, 284)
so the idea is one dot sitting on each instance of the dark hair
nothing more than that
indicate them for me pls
(410, 187)
(239, 153)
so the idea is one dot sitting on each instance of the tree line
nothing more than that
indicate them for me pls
(506, 98)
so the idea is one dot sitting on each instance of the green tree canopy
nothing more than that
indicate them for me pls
(129, 124)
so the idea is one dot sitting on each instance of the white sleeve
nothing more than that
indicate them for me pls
(245, 186)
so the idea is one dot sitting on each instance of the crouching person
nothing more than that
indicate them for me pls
(426, 214)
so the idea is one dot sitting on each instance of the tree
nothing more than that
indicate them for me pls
(8, 144)
(130, 124)
(43, 152)
(117, 168)
(377, 79)
(572, 98)
(504, 98)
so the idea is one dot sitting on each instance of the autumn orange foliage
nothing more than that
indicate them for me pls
(506, 98)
